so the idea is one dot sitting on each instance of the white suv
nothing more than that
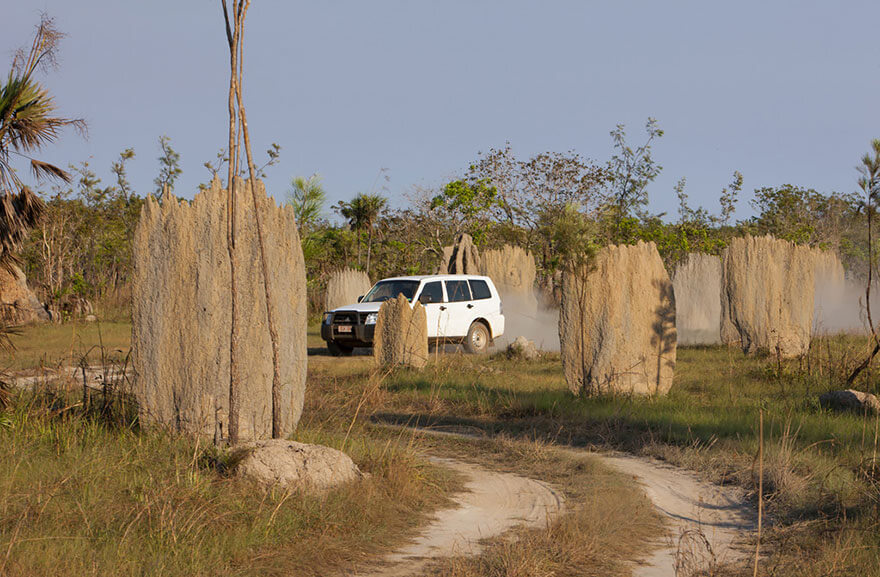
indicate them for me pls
(460, 309)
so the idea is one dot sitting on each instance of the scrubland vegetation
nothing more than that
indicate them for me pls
(85, 494)
(86, 489)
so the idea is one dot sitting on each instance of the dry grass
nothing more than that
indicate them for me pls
(608, 521)
(53, 345)
(819, 466)
(822, 476)
(81, 495)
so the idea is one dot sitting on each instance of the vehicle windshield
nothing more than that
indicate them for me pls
(389, 289)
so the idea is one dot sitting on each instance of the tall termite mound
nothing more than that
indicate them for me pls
(181, 314)
(617, 323)
(443, 267)
(767, 294)
(344, 288)
(512, 269)
(464, 258)
(401, 337)
(697, 284)
(18, 304)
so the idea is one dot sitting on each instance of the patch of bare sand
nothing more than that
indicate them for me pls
(709, 523)
(492, 503)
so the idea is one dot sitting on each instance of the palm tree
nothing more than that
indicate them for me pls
(27, 123)
(362, 212)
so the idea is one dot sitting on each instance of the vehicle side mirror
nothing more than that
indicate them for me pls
(425, 299)
(360, 298)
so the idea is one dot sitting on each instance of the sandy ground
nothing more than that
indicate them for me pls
(492, 504)
(707, 521)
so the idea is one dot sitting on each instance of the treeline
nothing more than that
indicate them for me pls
(553, 204)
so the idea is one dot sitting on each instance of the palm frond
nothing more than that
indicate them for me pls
(40, 168)
(18, 213)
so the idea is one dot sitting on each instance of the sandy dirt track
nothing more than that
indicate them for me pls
(492, 504)
(708, 523)
(706, 520)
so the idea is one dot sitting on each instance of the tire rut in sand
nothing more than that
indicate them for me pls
(492, 503)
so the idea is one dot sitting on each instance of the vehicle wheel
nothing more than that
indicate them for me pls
(477, 340)
(338, 350)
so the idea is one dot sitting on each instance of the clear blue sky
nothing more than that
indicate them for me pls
(784, 91)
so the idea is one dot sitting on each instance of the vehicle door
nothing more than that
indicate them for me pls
(434, 301)
(484, 305)
(459, 307)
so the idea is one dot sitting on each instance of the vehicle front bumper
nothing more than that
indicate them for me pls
(360, 335)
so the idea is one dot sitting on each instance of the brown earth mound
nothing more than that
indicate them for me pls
(512, 269)
(617, 323)
(465, 258)
(18, 304)
(292, 465)
(344, 288)
(443, 267)
(181, 316)
(401, 337)
(767, 295)
(697, 283)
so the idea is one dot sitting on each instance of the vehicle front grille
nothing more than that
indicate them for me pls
(345, 318)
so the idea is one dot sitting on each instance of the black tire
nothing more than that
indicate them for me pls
(338, 350)
(477, 340)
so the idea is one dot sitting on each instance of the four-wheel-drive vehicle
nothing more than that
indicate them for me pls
(460, 309)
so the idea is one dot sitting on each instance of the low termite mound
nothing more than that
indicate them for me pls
(768, 288)
(401, 336)
(181, 314)
(697, 284)
(18, 304)
(617, 323)
(464, 258)
(344, 288)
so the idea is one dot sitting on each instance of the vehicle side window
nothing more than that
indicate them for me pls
(458, 291)
(480, 289)
(432, 293)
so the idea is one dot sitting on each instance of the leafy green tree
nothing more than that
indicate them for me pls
(169, 167)
(729, 198)
(631, 170)
(518, 200)
(27, 123)
(800, 215)
(468, 204)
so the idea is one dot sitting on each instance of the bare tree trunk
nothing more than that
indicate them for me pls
(232, 38)
(867, 362)
(369, 247)
(270, 314)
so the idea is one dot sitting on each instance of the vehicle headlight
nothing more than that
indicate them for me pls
(328, 318)
(371, 319)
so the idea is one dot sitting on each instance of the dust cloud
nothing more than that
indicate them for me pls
(840, 306)
(521, 318)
